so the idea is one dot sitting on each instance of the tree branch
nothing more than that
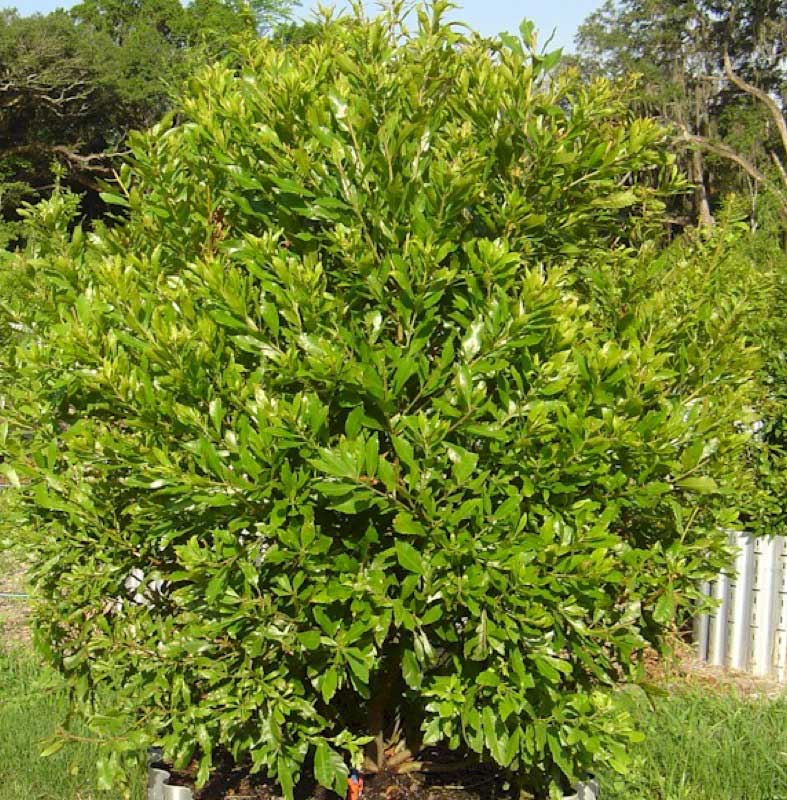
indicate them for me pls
(779, 166)
(723, 150)
(91, 161)
(58, 98)
(763, 97)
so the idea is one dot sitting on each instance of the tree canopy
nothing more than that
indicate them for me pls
(678, 48)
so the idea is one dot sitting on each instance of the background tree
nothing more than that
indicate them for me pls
(53, 101)
(678, 48)
(72, 85)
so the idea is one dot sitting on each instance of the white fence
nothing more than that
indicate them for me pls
(748, 630)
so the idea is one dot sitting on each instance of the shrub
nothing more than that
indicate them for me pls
(382, 422)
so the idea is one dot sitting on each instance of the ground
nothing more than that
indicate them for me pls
(474, 783)
(13, 611)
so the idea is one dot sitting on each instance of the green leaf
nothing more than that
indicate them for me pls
(329, 768)
(371, 455)
(216, 412)
(310, 639)
(284, 775)
(411, 670)
(664, 612)
(53, 747)
(387, 474)
(617, 200)
(527, 30)
(560, 755)
(352, 427)
(358, 666)
(329, 684)
(405, 451)
(404, 523)
(10, 473)
(406, 368)
(700, 485)
(271, 317)
(324, 621)
(493, 734)
(464, 462)
(409, 557)
(113, 199)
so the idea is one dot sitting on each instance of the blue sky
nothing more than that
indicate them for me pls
(488, 16)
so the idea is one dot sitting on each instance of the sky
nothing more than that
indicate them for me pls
(487, 16)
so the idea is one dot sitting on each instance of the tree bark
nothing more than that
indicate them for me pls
(701, 202)
(379, 704)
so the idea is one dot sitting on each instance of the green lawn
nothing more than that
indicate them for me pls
(703, 744)
(708, 744)
(32, 703)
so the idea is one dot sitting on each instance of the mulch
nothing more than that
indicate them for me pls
(232, 782)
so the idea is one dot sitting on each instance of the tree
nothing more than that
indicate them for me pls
(270, 13)
(295, 33)
(120, 17)
(679, 49)
(383, 422)
(52, 101)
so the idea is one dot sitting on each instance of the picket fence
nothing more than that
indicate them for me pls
(748, 629)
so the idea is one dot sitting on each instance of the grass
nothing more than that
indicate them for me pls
(708, 744)
(32, 703)
(703, 744)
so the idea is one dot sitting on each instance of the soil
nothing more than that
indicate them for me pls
(685, 671)
(230, 782)
(14, 611)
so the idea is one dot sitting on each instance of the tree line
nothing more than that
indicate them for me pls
(74, 83)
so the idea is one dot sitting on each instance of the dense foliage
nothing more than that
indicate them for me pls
(384, 421)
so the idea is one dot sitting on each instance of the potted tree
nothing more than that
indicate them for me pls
(357, 438)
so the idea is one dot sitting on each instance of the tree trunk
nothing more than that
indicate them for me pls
(379, 704)
(701, 204)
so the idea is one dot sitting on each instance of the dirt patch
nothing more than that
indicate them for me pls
(474, 783)
(684, 670)
(232, 782)
(14, 611)
(227, 782)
